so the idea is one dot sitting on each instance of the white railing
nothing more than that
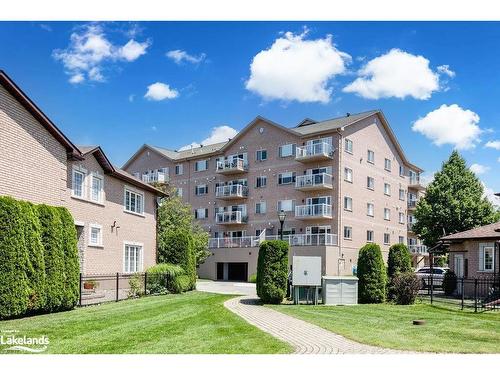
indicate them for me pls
(412, 203)
(155, 177)
(231, 165)
(414, 180)
(313, 210)
(418, 249)
(227, 191)
(233, 217)
(314, 149)
(322, 239)
(310, 180)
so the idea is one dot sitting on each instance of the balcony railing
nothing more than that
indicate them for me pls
(314, 151)
(316, 181)
(233, 217)
(311, 211)
(418, 249)
(231, 166)
(410, 226)
(322, 239)
(155, 177)
(231, 191)
(412, 203)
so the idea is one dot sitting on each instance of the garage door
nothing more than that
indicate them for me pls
(237, 271)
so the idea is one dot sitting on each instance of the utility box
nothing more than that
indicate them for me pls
(306, 271)
(340, 290)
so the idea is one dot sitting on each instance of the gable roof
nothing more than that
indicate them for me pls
(486, 231)
(306, 127)
(37, 113)
(110, 169)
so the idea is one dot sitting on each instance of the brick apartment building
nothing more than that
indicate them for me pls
(341, 182)
(114, 212)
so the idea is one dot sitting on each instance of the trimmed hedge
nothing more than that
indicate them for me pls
(161, 278)
(272, 271)
(399, 260)
(372, 274)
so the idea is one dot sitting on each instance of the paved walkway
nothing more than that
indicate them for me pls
(305, 337)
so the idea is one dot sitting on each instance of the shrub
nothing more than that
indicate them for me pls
(35, 270)
(449, 282)
(52, 237)
(253, 278)
(181, 284)
(399, 260)
(14, 283)
(371, 274)
(160, 278)
(71, 259)
(272, 271)
(136, 286)
(405, 287)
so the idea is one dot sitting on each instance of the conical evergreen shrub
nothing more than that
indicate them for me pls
(372, 275)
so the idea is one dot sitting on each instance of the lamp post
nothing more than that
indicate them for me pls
(281, 217)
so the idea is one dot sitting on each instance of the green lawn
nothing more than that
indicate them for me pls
(391, 326)
(194, 322)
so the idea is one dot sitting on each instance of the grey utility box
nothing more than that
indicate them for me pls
(340, 290)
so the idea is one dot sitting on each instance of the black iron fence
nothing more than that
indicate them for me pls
(95, 289)
(479, 294)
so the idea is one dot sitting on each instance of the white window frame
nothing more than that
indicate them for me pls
(401, 170)
(292, 178)
(259, 153)
(387, 164)
(137, 193)
(292, 147)
(368, 179)
(279, 205)
(482, 257)
(99, 242)
(179, 169)
(203, 187)
(348, 146)
(402, 194)
(141, 265)
(372, 159)
(197, 165)
(84, 175)
(96, 176)
(348, 174)
(205, 213)
(368, 205)
(388, 235)
(387, 189)
(263, 178)
(370, 240)
(262, 207)
(387, 214)
(348, 230)
(401, 218)
(347, 203)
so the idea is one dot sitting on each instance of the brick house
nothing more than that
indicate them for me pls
(114, 212)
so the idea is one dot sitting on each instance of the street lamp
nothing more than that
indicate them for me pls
(281, 217)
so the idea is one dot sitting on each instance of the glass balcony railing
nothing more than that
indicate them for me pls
(314, 181)
(321, 210)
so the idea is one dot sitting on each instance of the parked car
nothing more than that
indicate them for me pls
(424, 274)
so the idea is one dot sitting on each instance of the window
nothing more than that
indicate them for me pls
(402, 194)
(78, 180)
(369, 209)
(132, 258)
(371, 157)
(286, 178)
(178, 192)
(96, 189)
(387, 165)
(369, 236)
(348, 145)
(348, 203)
(286, 205)
(201, 213)
(387, 238)
(387, 189)
(95, 238)
(387, 214)
(134, 202)
(200, 165)
(401, 171)
(348, 233)
(179, 169)
(261, 155)
(287, 150)
(348, 174)
(260, 207)
(201, 189)
(370, 183)
(401, 218)
(486, 257)
(261, 181)
(401, 239)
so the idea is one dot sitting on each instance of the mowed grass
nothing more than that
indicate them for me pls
(193, 322)
(390, 326)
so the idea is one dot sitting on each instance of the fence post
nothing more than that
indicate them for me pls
(475, 295)
(81, 281)
(432, 288)
(117, 286)
(462, 290)
(145, 283)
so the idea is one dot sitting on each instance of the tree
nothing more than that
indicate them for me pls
(272, 271)
(200, 244)
(454, 202)
(399, 260)
(372, 274)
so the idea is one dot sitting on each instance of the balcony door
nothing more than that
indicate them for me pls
(319, 200)
(315, 235)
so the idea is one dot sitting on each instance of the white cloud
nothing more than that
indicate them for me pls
(427, 178)
(131, 98)
(179, 56)
(396, 74)
(160, 91)
(295, 68)
(490, 195)
(445, 69)
(493, 144)
(479, 169)
(498, 159)
(89, 50)
(450, 125)
(218, 134)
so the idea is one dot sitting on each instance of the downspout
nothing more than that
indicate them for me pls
(339, 197)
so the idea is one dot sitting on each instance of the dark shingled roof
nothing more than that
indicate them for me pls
(486, 231)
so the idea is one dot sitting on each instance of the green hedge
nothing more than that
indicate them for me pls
(372, 275)
(399, 260)
(272, 271)
(162, 278)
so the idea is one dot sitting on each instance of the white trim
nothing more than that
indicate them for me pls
(99, 176)
(132, 243)
(83, 172)
(137, 192)
(100, 238)
(79, 223)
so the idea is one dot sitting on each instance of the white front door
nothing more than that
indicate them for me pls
(459, 269)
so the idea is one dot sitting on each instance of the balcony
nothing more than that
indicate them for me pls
(313, 211)
(314, 152)
(412, 204)
(309, 182)
(228, 192)
(418, 249)
(155, 177)
(230, 218)
(410, 227)
(322, 239)
(233, 166)
(414, 183)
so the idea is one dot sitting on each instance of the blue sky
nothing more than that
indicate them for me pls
(171, 83)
